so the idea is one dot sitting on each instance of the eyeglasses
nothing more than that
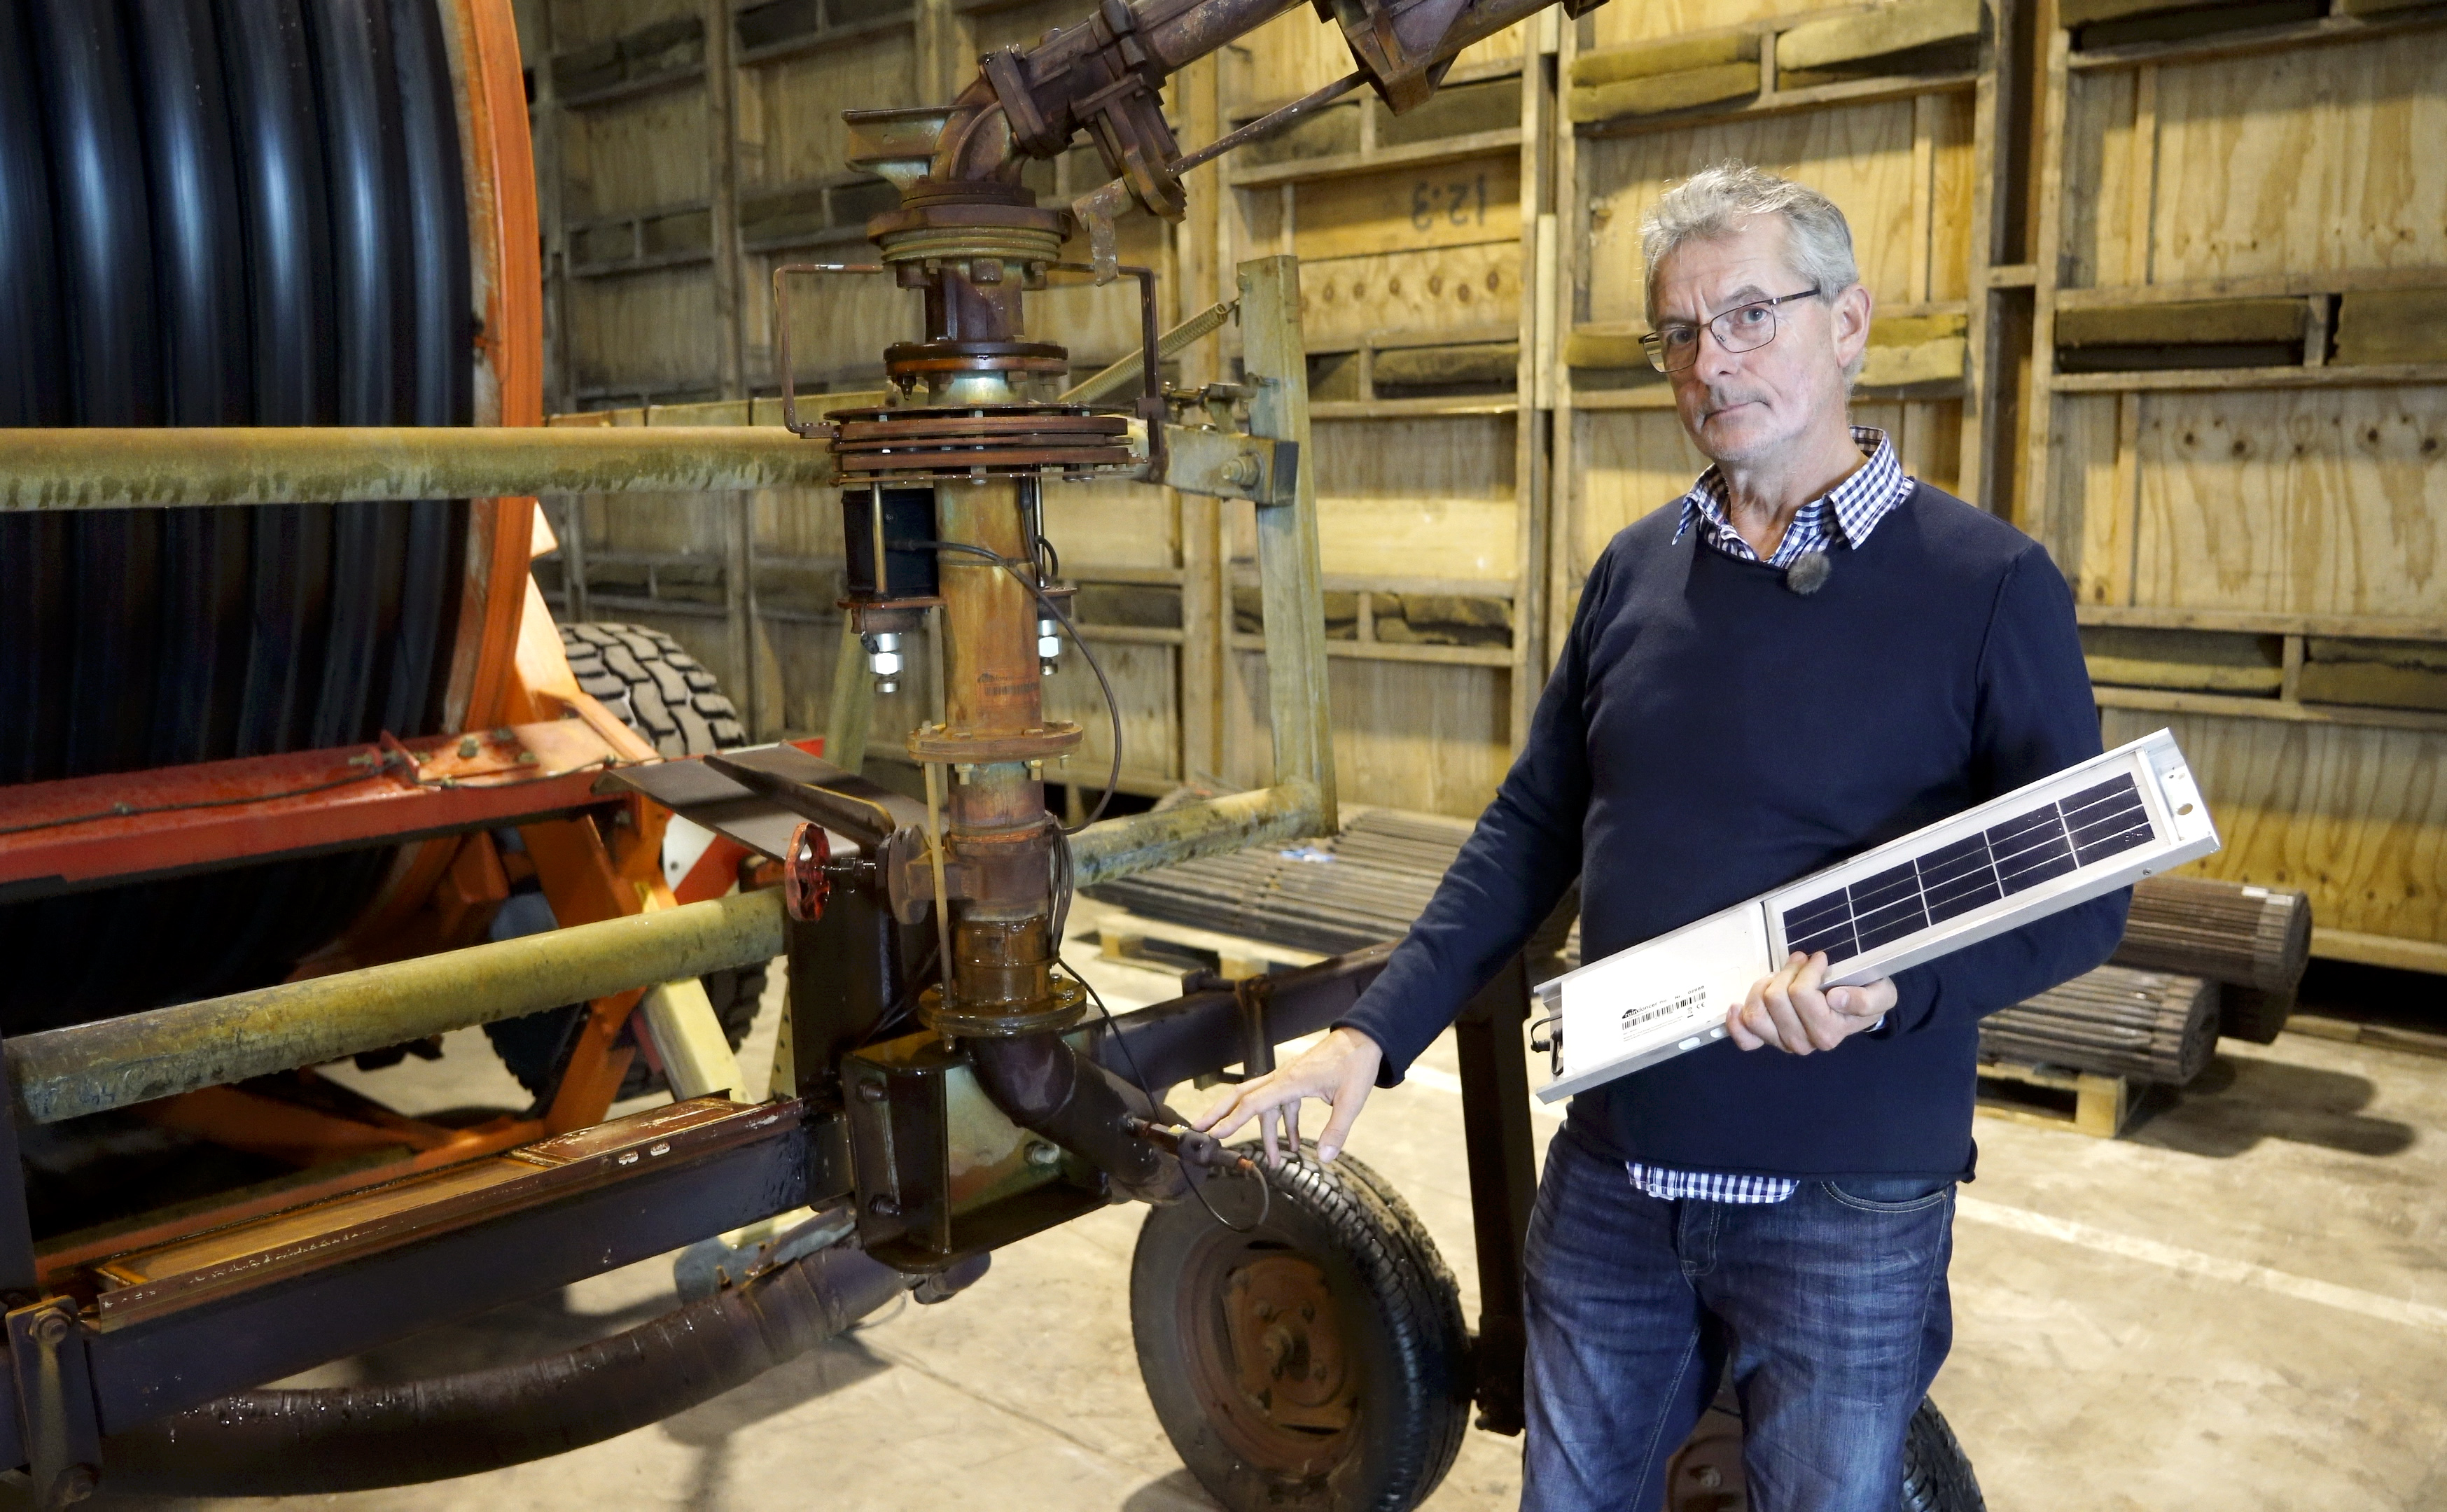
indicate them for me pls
(1744, 328)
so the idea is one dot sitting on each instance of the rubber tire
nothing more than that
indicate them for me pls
(660, 690)
(668, 698)
(1412, 1348)
(1937, 1474)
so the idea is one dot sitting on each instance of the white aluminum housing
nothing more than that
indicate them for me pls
(1672, 994)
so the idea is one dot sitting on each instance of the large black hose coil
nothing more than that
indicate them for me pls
(213, 212)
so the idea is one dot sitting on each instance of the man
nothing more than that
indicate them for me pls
(1808, 655)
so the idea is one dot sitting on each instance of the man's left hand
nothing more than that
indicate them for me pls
(1791, 1012)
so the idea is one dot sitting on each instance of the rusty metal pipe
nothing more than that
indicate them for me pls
(1120, 847)
(99, 468)
(320, 1442)
(64, 1074)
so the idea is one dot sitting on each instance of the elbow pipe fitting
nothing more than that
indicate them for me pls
(1048, 1088)
(299, 1443)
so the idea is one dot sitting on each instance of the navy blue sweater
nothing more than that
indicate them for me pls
(1710, 735)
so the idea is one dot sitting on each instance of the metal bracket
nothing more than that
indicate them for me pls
(63, 1433)
(1228, 464)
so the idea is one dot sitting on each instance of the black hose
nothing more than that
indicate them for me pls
(168, 170)
(439, 302)
(114, 368)
(201, 281)
(334, 1438)
(377, 376)
(1050, 1089)
(33, 392)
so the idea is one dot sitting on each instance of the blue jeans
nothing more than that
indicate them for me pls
(1831, 1308)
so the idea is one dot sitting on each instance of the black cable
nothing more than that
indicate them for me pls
(1112, 704)
(1266, 1188)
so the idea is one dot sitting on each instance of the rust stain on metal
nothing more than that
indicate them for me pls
(99, 468)
(1119, 847)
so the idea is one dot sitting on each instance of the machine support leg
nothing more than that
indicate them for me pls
(19, 1278)
(1503, 1182)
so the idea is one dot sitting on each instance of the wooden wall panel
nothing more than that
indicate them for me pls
(1861, 156)
(1112, 526)
(1444, 290)
(1101, 324)
(640, 154)
(2299, 161)
(1631, 461)
(790, 125)
(1453, 204)
(1021, 26)
(580, 23)
(802, 660)
(804, 523)
(1405, 735)
(2293, 500)
(1295, 53)
(1418, 498)
(2090, 513)
(2099, 151)
(2357, 818)
(643, 332)
(1146, 686)
(839, 324)
(1617, 26)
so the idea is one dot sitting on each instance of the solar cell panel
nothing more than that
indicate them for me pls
(2085, 831)
(2013, 856)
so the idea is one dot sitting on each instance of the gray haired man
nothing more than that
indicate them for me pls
(1808, 655)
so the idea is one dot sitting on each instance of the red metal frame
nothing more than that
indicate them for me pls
(92, 831)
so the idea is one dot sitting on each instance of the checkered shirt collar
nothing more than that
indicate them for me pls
(1856, 505)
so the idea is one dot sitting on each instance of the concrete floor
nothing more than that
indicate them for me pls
(2241, 1304)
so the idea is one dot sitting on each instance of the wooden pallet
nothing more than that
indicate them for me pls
(2053, 1098)
(1165, 946)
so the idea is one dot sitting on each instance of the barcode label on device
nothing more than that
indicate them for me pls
(1683, 1002)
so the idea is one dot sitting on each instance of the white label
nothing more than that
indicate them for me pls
(1674, 1007)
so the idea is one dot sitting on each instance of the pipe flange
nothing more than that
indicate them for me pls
(963, 242)
(1053, 740)
(1064, 1008)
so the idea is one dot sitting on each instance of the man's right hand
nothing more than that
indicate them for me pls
(1340, 1069)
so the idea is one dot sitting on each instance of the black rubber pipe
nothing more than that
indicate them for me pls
(217, 651)
(33, 392)
(1048, 1088)
(313, 1443)
(277, 136)
(359, 98)
(201, 280)
(440, 302)
(105, 244)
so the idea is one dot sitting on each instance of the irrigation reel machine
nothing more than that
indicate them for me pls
(287, 727)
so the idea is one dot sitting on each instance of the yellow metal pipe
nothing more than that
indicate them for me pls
(64, 1073)
(1119, 847)
(96, 468)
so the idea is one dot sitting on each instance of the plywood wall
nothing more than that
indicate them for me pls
(1451, 260)
(2236, 474)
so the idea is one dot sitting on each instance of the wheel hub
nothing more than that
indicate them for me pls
(1286, 1344)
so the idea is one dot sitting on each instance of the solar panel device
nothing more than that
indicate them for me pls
(2063, 839)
